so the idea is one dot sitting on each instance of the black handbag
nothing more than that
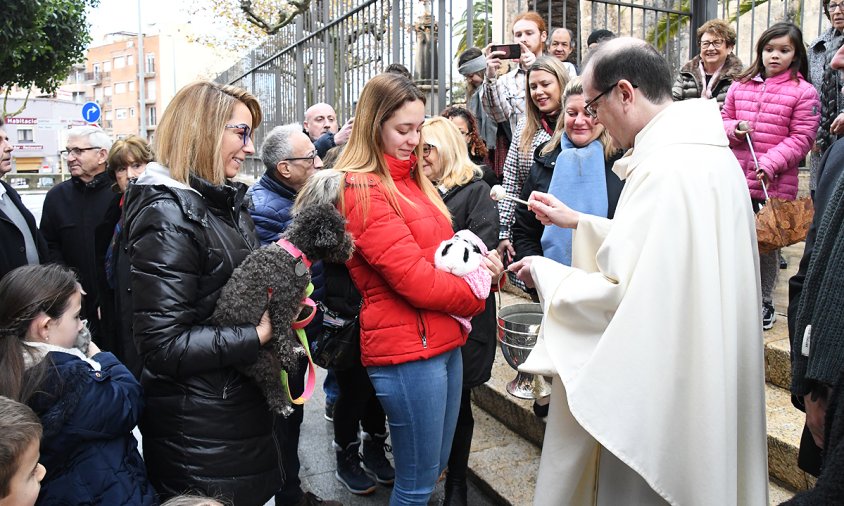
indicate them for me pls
(339, 345)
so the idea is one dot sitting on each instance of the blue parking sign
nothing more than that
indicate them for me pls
(91, 112)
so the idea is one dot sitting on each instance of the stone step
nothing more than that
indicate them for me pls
(785, 423)
(505, 465)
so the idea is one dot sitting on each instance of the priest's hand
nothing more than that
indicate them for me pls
(522, 271)
(550, 211)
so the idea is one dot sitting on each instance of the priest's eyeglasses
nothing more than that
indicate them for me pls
(590, 105)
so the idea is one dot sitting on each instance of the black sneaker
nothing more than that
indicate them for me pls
(374, 458)
(349, 471)
(769, 316)
(329, 412)
(311, 499)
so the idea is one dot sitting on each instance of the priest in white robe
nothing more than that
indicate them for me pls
(654, 334)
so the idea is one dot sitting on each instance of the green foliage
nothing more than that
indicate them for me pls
(667, 26)
(40, 40)
(481, 25)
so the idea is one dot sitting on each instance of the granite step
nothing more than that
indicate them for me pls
(504, 465)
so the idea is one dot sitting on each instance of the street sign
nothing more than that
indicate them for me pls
(91, 112)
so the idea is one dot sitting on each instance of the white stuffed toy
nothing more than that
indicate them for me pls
(462, 256)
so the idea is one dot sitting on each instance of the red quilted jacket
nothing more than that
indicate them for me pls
(784, 115)
(406, 300)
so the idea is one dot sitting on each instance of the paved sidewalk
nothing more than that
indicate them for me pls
(318, 461)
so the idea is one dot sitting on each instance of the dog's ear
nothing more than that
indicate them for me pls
(320, 232)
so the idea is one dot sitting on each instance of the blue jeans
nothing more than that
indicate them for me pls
(329, 386)
(422, 401)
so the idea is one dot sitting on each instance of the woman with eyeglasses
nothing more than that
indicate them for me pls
(409, 342)
(445, 162)
(206, 427)
(466, 123)
(127, 160)
(828, 83)
(710, 74)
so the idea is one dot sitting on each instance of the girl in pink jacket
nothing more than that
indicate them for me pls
(779, 109)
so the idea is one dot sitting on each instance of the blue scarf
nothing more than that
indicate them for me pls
(579, 180)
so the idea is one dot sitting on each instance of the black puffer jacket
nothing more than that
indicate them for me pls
(690, 83)
(527, 230)
(206, 427)
(472, 209)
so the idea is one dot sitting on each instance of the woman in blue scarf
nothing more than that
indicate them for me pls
(576, 164)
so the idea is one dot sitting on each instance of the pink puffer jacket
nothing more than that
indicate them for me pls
(784, 116)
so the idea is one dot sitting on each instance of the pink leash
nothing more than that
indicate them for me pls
(299, 326)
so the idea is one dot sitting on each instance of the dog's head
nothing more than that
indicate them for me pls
(320, 232)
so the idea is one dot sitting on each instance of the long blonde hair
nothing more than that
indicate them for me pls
(533, 116)
(458, 169)
(189, 137)
(573, 89)
(382, 96)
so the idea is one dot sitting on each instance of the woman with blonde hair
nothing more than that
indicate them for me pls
(546, 80)
(576, 164)
(207, 428)
(409, 341)
(445, 161)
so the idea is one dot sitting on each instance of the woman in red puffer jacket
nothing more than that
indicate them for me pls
(409, 342)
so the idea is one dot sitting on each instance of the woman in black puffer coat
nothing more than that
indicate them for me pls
(446, 163)
(207, 428)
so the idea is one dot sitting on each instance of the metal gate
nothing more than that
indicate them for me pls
(330, 53)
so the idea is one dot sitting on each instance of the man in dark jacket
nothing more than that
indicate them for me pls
(321, 126)
(20, 241)
(72, 212)
(290, 159)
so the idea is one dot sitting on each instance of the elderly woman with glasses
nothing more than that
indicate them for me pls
(206, 427)
(709, 74)
(446, 163)
(828, 83)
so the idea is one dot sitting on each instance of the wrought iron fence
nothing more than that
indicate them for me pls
(330, 53)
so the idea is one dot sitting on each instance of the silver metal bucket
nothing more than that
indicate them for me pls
(518, 330)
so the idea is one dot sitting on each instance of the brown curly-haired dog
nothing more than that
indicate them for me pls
(271, 279)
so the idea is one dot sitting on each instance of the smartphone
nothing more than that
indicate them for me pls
(511, 51)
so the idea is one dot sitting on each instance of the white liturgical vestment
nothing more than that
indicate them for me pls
(655, 334)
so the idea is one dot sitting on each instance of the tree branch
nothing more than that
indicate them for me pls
(286, 16)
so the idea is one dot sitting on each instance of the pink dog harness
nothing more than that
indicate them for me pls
(299, 325)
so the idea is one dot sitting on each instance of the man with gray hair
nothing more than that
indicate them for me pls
(561, 44)
(290, 159)
(72, 212)
(654, 333)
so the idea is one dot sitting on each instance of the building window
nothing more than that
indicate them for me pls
(107, 66)
(151, 120)
(131, 112)
(119, 88)
(96, 70)
(25, 135)
(109, 115)
(150, 91)
(98, 94)
(121, 114)
(131, 86)
(130, 60)
(119, 62)
(79, 97)
(150, 64)
(107, 91)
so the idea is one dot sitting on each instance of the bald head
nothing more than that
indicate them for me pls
(627, 83)
(319, 119)
(634, 60)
